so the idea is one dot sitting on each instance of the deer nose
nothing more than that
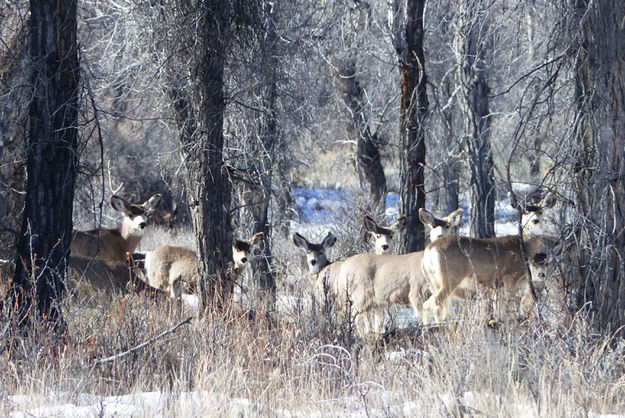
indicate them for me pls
(385, 247)
(244, 260)
(142, 225)
(313, 262)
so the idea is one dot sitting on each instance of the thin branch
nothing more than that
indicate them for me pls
(140, 346)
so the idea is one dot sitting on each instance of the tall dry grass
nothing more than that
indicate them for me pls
(303, 367)
(308, 363)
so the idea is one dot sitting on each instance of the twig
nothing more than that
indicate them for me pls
(140, 346)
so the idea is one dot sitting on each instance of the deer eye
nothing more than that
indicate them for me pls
(131, 216)
(535, 221)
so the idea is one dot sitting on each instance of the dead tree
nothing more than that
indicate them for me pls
(368, 160)
(262, 161)
(353, 99)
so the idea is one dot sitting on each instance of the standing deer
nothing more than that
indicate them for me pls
(316, 257)
(371, 281)
(113, 245)
(384, 237)
(491, 263)
(439, 227)
(247, 292)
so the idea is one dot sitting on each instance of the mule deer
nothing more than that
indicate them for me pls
(532, 214)
(371, 281)
(247, 293)
(174, 269)
(114, 245)
(316, 257)
(384, 237)
(441, 226)
(492, 263)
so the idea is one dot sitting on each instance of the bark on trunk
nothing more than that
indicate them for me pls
(369, 163)
(600, 166)
(200, 112)
(408, 33)
(45, 238)
(14, 95)
(472, 46)
(264, 160)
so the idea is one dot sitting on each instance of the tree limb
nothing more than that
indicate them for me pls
(140, 346)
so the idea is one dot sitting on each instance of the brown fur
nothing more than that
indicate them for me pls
(372, 281)
(113, 245)
(492, 263)
(172, 270)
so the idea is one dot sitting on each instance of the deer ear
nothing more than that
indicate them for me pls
(258, 239)
(426, 217)
(240, 245)
(300, 241)
(119, 204)
(153, 202)
(548, 201)
(514, 201)
(370, 224)
(328, 241)
(540, 259)
(454, 218)
(399, 224)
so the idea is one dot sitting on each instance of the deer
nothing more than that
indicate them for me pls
(371, 281)
(113, 246)
(384, 242)
(456, 262)
(173, 269)
(246, 292)
(316, 257)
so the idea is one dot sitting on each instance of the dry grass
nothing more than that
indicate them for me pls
(308, 363)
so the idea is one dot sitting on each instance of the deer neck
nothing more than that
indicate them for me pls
(129, 236)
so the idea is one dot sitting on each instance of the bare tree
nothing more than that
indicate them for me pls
(261, 149)
(406, 27)
(354, 104)
(44, 241)
(472, 48)
(199, 104)
(598, 33)
(14, 95)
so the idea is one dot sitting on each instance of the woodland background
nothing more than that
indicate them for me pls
(226, 107)
(235, 111)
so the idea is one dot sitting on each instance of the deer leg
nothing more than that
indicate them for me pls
(435, 305)
(416, 300)
(378, 320)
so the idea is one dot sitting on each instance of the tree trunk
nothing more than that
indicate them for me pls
(14, 96)
(200, 112)
(408, 35)
(600, 167)
(450, 169)
(369, 164)
(45, 238)
(262, 156)
(472, 50)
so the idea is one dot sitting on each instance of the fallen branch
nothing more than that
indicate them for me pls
(140, 346)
